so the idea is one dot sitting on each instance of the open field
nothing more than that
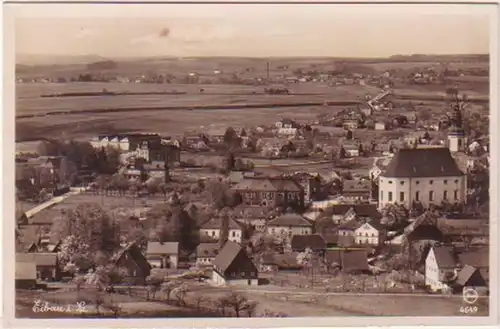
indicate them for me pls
(29, 100)
(173, 123)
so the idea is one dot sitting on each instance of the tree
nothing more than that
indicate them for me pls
(164, 189)
(231, 138)
(167, 288)
(237, 302)
(74, 250)
(180, 293)
(90, 227)
(79, 281)
(67, 172)
(153, 284)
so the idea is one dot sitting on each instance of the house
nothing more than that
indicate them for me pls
(351, 148)
(357, 190)
(212, 228)
(124, 143)
(355, 262)
(287, 123)
(477, 257)
(274, 192)
(254, 216)
(272, 262)
(315, 242)
(26, 275)
(206, 253)
(348, 228)
(381, 125)
(233, 266)
(425, 175)
(133, 261)
(470, 277)
(369, 234)
(344, 212)
(163, 254)
(441, 268)
(289, 224)
(351, 124)
(47, 264)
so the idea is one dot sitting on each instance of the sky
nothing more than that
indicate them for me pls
(250, 30)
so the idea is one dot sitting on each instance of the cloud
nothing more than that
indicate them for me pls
(84, 33)
(186, 35)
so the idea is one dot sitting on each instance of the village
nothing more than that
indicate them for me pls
(381, 199)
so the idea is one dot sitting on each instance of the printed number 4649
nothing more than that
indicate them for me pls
(468, 309)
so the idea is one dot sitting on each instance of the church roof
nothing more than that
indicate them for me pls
(422, 162)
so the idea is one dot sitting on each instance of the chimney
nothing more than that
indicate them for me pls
(224, 229)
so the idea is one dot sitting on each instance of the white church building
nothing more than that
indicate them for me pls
(427, 175)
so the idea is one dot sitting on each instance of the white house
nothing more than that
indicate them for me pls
(206, 253)
(440, 267)
(380, 126)
(288, 225)
(212, 229)
(426, 175)
(369, 233)
(287, 131)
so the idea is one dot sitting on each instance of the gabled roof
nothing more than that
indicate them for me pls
(290, 219)
(135, 253)
(170, 248)
(466, 274)
(350, 225)
(313, 241)
(445, 257)
(373, 224)
(215, 223)
(227, 255)
(38, 258)
(207, 250)
(422, 162)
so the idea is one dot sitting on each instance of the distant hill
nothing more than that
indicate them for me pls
(102, 65)
(36, 60)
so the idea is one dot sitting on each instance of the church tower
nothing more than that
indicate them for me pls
(456, 133)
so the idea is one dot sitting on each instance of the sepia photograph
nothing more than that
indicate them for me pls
(251, 161)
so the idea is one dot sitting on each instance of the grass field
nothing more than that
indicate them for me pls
(28, 100)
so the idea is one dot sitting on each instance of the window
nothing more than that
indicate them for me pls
(431, 181)
(417, 196)
(390, 182)
(213, 233)
(445, 181)
(234, 234)
(381, 195)
(390, 196)
(431, 195)
(456, 181)
(401, 196)
(272, 230)
(402, 183)
(455, 194)
(417, 182)
(445, 195)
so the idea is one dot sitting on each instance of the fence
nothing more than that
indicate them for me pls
(348, 283)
